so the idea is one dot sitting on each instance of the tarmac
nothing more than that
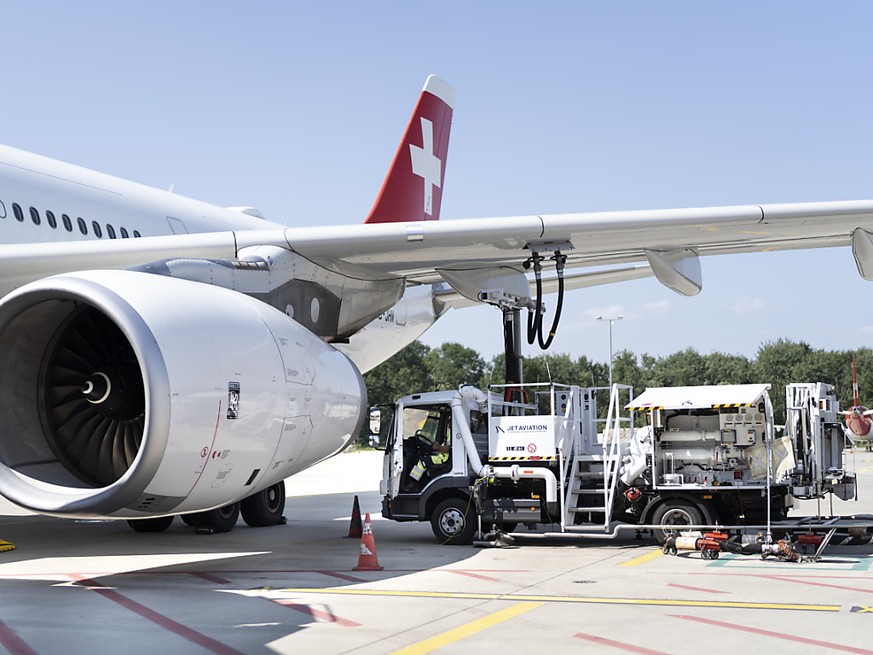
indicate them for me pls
(97, 587)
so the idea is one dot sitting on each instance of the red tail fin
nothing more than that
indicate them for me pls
(413, 188)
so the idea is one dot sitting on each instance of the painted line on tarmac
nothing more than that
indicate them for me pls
(627, 648)
(642, 559)
(471, 628)
(13, 643)
(319, 615)
(830, 645)
(688, 588)
(157, 618)
(470, 574)
(731, 560)
(656, 602)
(812, 583)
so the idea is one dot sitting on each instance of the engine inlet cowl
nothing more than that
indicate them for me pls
(134, 395)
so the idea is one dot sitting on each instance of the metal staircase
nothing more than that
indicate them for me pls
(592, 465)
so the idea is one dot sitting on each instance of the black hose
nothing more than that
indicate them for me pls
(535, 316)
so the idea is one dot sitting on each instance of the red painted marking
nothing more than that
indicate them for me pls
(316, 614)
(628, 648)
(214, 437)
(342, 576)
(470, 574)
(13, 643)
(706, 591)
(830, 645)
(159, 619)
(813, 584)
(209, 577)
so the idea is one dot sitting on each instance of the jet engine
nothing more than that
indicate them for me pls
(130, 395)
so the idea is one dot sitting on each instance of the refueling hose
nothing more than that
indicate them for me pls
(535, 315)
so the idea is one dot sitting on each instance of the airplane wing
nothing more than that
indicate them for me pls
(670, 241)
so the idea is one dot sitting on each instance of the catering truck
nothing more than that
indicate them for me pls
(547, 456)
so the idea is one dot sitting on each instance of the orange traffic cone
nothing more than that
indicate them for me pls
(355, 528)
(367, 561)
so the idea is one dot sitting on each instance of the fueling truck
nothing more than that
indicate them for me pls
(547, 456)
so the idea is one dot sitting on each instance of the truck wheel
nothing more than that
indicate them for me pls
(675, 511)
(452, 522)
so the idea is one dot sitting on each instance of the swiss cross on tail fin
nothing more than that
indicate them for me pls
(413, 188)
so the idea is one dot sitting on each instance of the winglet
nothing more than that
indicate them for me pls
(413, 188)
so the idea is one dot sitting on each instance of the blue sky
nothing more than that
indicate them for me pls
(575, 106)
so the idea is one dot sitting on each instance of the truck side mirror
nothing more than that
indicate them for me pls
(375, 426)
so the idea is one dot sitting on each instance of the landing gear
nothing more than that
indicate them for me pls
(221, 519)
(151, 525)
(265, 508)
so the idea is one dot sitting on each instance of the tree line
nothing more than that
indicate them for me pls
(420, 368)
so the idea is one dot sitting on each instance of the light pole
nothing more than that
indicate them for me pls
(611, 322)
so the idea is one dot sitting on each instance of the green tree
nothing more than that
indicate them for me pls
(451, 365)
(687, 367)
(405, 373)
(721, 368)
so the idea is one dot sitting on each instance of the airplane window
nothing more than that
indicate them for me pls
(2, 210)
(124, 233)
(16, 209)
(83, 227)
(97, 231)
(136, 234)
(50, 219)
(110, 231)
(68, 224)
(34, 215)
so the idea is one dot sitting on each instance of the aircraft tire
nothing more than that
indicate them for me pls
(221, 519)
(158, 524)
(264, 508)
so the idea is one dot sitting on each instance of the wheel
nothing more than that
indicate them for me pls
(675, 511)
(221, 519)
(452, 522)
(151, 525)
(187, 519)
(265, 507)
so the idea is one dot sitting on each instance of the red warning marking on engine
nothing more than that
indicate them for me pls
(205, 451)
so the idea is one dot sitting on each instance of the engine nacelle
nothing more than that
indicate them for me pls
(128, 395)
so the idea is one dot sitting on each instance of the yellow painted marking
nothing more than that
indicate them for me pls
(456, 634)
(862, 609)
(642, 559)
(663, 602)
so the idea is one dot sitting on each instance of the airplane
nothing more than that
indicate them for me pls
(858, 421)
(162, 356)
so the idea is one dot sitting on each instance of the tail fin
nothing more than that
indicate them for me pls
(413, 188)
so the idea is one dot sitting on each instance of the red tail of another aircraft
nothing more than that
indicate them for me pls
(413, 188)
(858, 420)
